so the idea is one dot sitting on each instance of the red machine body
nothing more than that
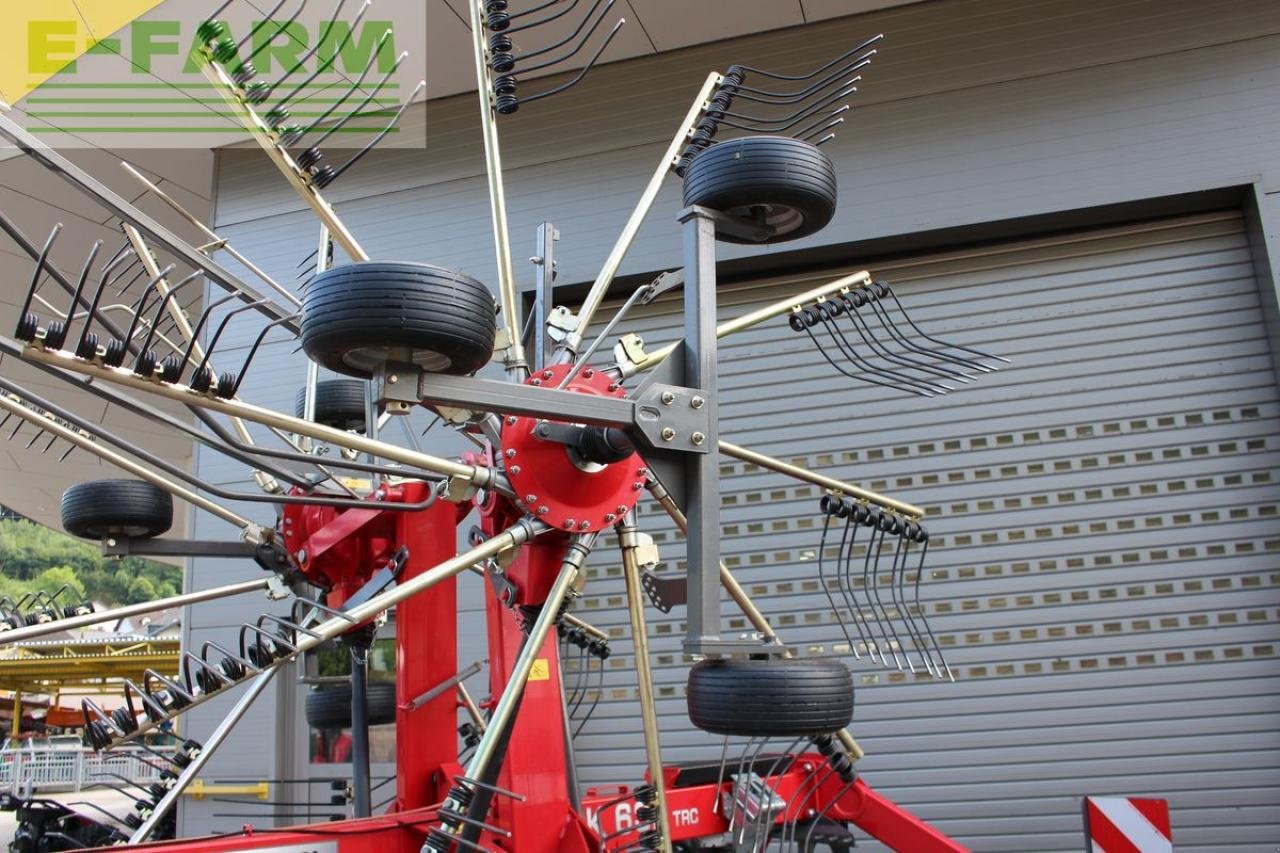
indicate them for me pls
(341, 549)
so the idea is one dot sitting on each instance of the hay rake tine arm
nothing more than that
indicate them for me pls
(513, 537)
(11, 403)
(567, 349)
(221, 243)
(755, 318)
(260, 682)
(477, 475)
(739, 595)
(127, 212)
(19, 635)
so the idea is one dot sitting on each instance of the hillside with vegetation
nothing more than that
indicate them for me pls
(33, 557)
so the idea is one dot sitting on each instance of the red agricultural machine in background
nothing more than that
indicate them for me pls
(563, 451)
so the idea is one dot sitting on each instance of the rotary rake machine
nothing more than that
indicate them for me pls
(564, 449)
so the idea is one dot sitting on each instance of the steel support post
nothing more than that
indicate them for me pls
(701, 470)
(544, 296)
(644, 675)
(360, 797)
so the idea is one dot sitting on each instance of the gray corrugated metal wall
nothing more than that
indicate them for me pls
(976, 110)
(1103, 572)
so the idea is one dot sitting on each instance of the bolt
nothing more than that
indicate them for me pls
(668, 433)
(379, 495)
(609, 518)
(535, 382)
(531, 499)
(547, 374)
(635, 487)
(301, 555)
(392, 379)
(544, 509)
(569, 524)
(514, 470)
(510, 453)
(697, 402)
(588, 373)
(614, 386)
(111, 542)
(586, 525)
(511, 420)
(698, 438)
(668, 398)
(621, 510)
(643, 472)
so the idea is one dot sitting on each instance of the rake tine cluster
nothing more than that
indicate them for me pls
(894, 352)
(221, 50)
(874, 617)
(585, 648)
(263, 644)
(447, 832)
(817, 106)
(40, 608)
(644, 821)
(505, 61)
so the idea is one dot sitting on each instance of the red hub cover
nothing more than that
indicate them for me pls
(553, 486)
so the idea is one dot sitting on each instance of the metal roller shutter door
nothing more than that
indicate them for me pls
(1103, 574)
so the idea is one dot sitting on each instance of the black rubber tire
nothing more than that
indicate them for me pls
(130, 509)
(339, 404)
(330, 707)
(770, 698)
(786, 185)
(359, 316)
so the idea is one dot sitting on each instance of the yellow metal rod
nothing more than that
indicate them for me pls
(909, 510)
(755, 318)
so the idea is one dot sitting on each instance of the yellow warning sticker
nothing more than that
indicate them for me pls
(541, 670)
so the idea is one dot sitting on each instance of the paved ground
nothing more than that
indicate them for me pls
(112, 801)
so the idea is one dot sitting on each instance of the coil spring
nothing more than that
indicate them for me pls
(209, 31)
(257, 93)
(310, 157)
(244, 73)
(28, 325)
(226, 386)
(124, 718)
(496, 17)
(114, 353)
(291, 135)
(171, 368)
(705, 131)
(442, 837)
(500, 43)
(837, 758)
(873, 516)
(202, 379)
(324, 176)
(146, 364)
(647, 798)
(55, 334)
(276, 117)
(504, 88)
(87, 348)
(224, 50)
(592, 645)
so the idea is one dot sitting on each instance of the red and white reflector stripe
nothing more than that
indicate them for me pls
(1127, 825)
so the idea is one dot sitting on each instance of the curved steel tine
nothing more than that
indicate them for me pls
(317, 606)
(140, 306)
(809, 129)
(153, 709)
(84, 275)
(39, 270)
(866, 580)
(227, 653)
(39, 434)
(254, 349)
(595, 701)
(586, 69)
(942, 660)
(321, 67)
(898, 616)
(373, 143)
(871, 568)
(533, 24)
(213, 342)
(822, 581)
(903, 359)
(146, 342)
(855, 606)
(985, 367)
(848, 786)
(761, 96)
(878, 349)
(591, 13)
(359, 81)
(266, 19)
(733, 799)
(750, 770)
(179, 694)
(763, 124)
(92, 310)
(900, 590)
(882, 314)
(805, 791)
(142, 270)
(808, 136)
(841, 58)
(762, 815)
(276, 642)
(861, 377)
(724, 752)
(906, 382)
(187, 659)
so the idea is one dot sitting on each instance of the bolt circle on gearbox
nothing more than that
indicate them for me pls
(570, 494)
